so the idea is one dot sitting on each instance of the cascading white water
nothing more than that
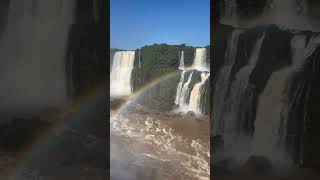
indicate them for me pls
(181, 63)
(120, 77)
(33, 54)
(195, 96)
(183, 104)
(199, 62)
(139, 59)
(183, 89)
(240, 91)
(179, 88)
(271, 105)
(229, 14)
(301, 51)
(287, 14)
(222, 84)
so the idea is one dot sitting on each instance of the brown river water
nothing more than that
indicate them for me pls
(149, 144)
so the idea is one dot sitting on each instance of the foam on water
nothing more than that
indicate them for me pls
(191, 154)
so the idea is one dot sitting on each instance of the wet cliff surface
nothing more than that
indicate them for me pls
(267, 103)
(301, 14)
(87, 50)
(275, 55)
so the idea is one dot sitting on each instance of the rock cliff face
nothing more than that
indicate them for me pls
(300, 14)
(270, 100)
(87, 51)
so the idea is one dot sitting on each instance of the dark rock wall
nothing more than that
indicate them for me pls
(251, 12)
(311, 135)
(87, 63)
(303, 126)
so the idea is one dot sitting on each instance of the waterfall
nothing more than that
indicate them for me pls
(268, 117)
(184, 95)
(222, 83)
(195, 96)
(199, 62)
(287, 14)
(33, 54)
(241, 97)
(139, 59)
(193, 102)
(179, 88)
(271, 108)
(120, 77)
(181, 61)
(229, 14)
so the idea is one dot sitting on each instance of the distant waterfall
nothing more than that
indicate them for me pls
(181, 61)
(195, 96)
(199, 62)
(267, 135)
(120, 77)
(33, 54)
(229, 14)
(183, 100)
(222, 84)
(179, 88)
(139, 59)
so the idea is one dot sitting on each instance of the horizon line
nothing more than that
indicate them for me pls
(159, 44)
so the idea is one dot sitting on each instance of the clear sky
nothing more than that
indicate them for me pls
(135, 23)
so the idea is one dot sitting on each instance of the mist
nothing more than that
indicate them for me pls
(33, 55)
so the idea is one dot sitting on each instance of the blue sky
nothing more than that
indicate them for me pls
(135, 23)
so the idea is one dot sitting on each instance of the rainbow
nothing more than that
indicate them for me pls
(60, 119)
(140, 92)
(70, 113)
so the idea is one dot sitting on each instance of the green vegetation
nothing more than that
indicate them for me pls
(158, 60)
